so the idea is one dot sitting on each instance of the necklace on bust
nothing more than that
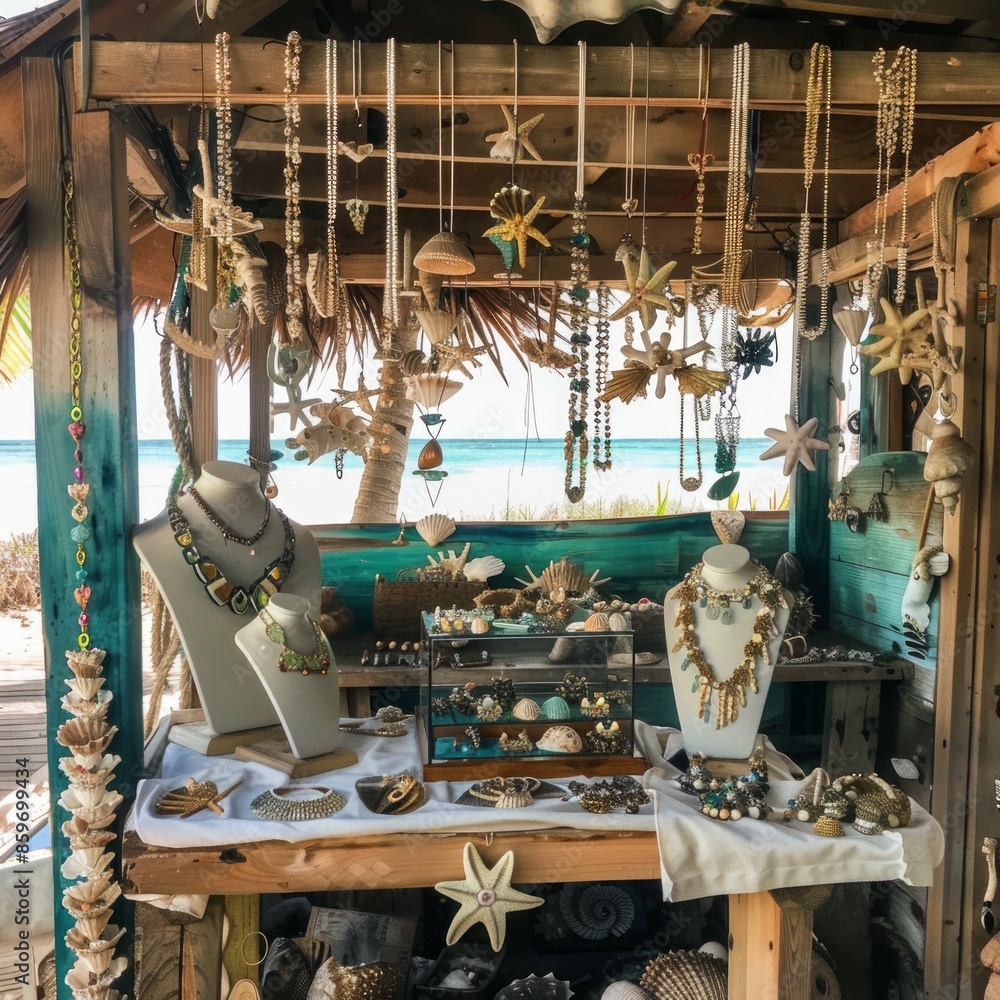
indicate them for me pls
(237, 598)
(316, 662)
(694, 590)
(231, 536)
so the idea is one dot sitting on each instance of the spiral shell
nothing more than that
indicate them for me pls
(526, 710)
(596, 912)
(560, 739)
(413, 363)
(685, 974)
(555, 708)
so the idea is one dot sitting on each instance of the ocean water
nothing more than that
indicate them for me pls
(485, 476)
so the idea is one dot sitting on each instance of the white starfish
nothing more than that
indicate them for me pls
(658, 357)
(295, 408)
(486, 897)
(509, 143)
(796, 443)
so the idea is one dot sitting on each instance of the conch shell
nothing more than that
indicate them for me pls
(947, 460)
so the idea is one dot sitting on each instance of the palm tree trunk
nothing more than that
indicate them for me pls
(378, 493)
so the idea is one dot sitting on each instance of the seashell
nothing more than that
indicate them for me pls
(79, 797)
(429, 389)
(103, 945)
(560, 739)
(716, 949)
(318, 285)
(511, 201)
(948, 458)
(413, 363)
(444, 254)
(479, 626)
(251, 276)
(536, 988)
(88, 899)
(85, 662)
(435, 528)
(685, 974)
(597, 622)
(596, 912)
(87, 708)
(556, 708)
(514, 798)
(430, 285)
(617, 622)
(85, 687)
(87, 862)
(391, 794)
(371, 981)
(851, 323)
(86, 736)
(93, 926)
(287, 972)
(482, 568)
(437, 324)
(92, 985)
(728, 525)
(526, 710)
(624, 991)
(563, 574)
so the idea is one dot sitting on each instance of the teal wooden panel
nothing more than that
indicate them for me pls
(643, 556)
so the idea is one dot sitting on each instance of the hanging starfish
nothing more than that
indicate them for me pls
(362, 396)
(897, 336)
(941, 360)
(646, 290)
(513, 141)
(295, 408)
(511, 206)
(657, 356)
(486, 897)
(453, 357)
(796, 443)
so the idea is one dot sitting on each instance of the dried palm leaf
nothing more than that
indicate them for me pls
(693, 380)
(628, 383)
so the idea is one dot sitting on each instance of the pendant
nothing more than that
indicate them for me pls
(712, 612)
(723, 488)
(728, 616)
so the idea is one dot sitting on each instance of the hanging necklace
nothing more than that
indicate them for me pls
(733, 261)
(357, 209)
(316, 662)
(223, 141)
(897, 93)
(602, 410)
(718, 606)
(690, 483)
(576, 444)
(702, 159)
(293, 207)
(630, 204)
(818, 103)
(332, 290)
(390, 306)
(239, 599)
(227, 534)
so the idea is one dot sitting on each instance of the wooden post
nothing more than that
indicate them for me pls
(204, 372)
(101, 204)
(260, 399)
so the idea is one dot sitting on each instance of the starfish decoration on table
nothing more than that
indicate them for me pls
(897, 335)
(362, 396)
(796, 443)
(512, 206)
(486, 896)
(512, 141)
(646, 289)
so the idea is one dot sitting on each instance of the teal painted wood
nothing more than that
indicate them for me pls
(643, 556)
(808, 534)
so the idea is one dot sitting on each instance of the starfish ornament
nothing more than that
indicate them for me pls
(486, 897)
(362, 396)
(897, 336)
(511, 206)
(295, 408)
(796, 443)
(657, 356)
(646, 290)
(511, 142)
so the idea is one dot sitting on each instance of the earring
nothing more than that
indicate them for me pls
(855, 518)
(837, 509)
(877, 509)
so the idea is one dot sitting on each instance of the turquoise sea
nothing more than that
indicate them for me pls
(485, 476)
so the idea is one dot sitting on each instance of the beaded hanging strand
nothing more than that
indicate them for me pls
(576, 445)
(736, 198)
(390, 308)
(332, 290)
(702, 159)
(818, 103)
(223, 142)
(908, 100)
(602, 410)
(293, 208)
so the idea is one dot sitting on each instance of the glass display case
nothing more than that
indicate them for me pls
(510, 699)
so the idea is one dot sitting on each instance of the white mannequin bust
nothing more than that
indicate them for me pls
(725, 568)
(230, 692)
(308, 707)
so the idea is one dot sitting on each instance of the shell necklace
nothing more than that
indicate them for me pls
(316, 662)
(239, 599)
(718, 604)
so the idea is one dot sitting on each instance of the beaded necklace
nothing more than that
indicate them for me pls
(239, 599)
(231, 536)
(294, 308)
(718, 604)
(316, 662)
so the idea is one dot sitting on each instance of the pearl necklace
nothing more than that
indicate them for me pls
(316, 662)
(601, 349)
(390, 309)
(718, 606)
(332, 290)
(733, 261)
(818, 103)
(293, 208)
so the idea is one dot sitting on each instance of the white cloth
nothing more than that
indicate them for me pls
(377, 755)
(700, 856)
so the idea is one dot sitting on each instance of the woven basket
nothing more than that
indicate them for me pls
(398, 604)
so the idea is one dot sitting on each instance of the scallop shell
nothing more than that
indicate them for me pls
(86, 736)
(435, 528)
(85, 662)
(85, 687)
(685, 974)
(437, 324)
(560, 739)
(483, 567)
(87, 708)
(88, 899)
(430, 390)
(596, 912)
(479, 626)
(597, 622)
(92, 926)
(444, 254)
(624, 991)
(555, 708)
(81, 942)
(526, 710)
(851, 323)
(85, 982)
(413, 363)
(82, 777)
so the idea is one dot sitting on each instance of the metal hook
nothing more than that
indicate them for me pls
(891, 473)
(272, 41)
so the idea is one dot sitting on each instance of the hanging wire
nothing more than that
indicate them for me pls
(517, 135)
(440, 132)
(581, 119)
(451, 202)
(645, 150)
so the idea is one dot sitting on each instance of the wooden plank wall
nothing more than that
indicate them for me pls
(643, 556)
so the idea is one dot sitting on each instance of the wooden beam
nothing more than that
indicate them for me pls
(981, 196)
(684, 26)
(146, 73)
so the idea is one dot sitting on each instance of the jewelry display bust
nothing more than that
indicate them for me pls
(215, 560)
(714, 621)
(291, 657)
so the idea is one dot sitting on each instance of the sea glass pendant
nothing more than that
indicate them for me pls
(723, 488)
(431, 455)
